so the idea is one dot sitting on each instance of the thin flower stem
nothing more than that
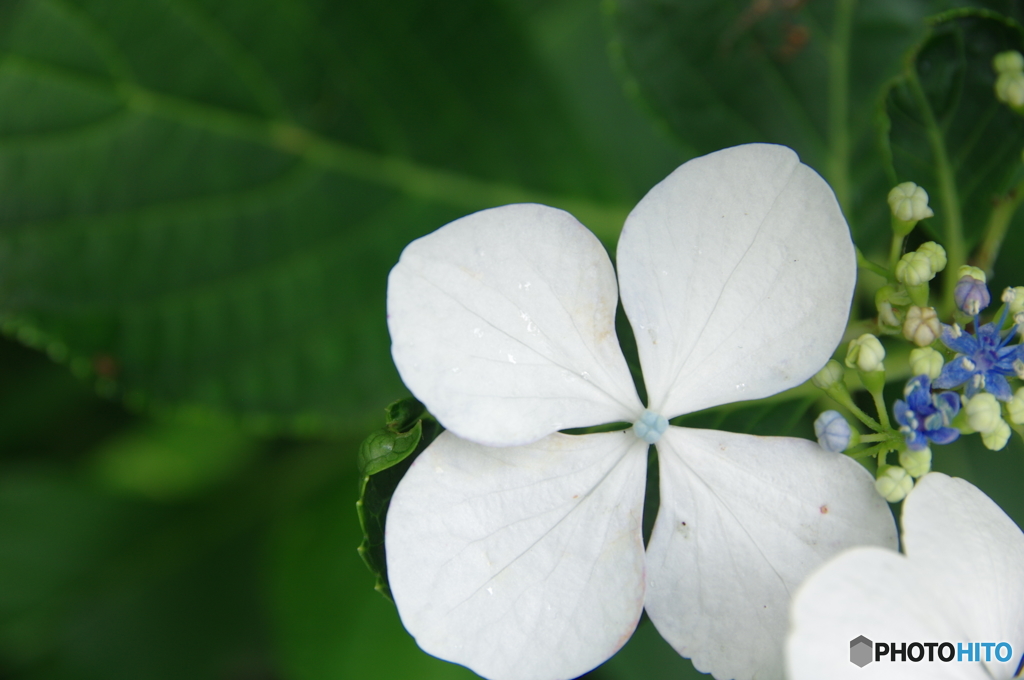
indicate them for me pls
(863, 417)
(895, 251)
(880, 437)
(863, 453)
(865, 263)
(995, 231)
(883, 414)
(956, 254)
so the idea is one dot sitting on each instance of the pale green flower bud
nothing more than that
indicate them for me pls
(1010, 88)
(997, 438)
(829, 375)
(885, 298)
(922, 325)
(1008, 62)
(1015, 407)
(935, 253)
(866, 354)
(983, 413)
(1017, 305)
(973, 272)
(916, 463)
(886, 316)
(926, 361)
(893, 483)
(914, 268)
(909, 202)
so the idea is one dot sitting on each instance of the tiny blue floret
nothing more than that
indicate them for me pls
(832, 431)
(924, 416)
(650, 427)
(984, 358)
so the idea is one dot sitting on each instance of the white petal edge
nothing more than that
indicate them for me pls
(736, 273)
(503, 324)
(976, 552)
(743, 520)
(883, 596)
(521, 563)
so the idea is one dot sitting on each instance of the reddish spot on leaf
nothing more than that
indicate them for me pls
(105, 366)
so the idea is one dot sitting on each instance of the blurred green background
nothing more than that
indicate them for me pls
(200, 201)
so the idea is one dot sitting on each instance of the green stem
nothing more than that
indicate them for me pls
(956, 252)
(838, 103)
(883, 414)
(861, 416)
(880, 437)
(863, 453)
(895, 251)
(995, 230)
(865, 263)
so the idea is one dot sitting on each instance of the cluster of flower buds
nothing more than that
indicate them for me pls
(960, 370)
(1009, 67)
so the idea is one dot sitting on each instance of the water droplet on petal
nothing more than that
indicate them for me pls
(741, 387)
(511, 359)
(478, 333)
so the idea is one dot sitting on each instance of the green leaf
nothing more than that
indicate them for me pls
(202, 198)
(178, 456)
(782, 416)
(946, 130)
(329, 625)
(803, 74)
(96, 587)
(384, 458)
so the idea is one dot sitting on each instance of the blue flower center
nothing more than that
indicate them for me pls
(650, 427)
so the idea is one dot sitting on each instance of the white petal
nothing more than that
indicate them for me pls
(521, 563)
(502, 323)
(976, 553)
(736, 273)
(742, 521)
(880, 595)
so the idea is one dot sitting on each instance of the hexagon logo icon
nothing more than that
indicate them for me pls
(861, 651)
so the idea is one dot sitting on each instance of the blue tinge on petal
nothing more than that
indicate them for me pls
(650, 427)
(832, 431)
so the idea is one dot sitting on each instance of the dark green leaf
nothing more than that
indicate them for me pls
(202, 198)
(384, 458)
(804, 74)
(942, 113)
(329, 624)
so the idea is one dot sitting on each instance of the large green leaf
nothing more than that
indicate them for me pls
(946, 130)
(807, 75)
(330, 623)
(202, 199)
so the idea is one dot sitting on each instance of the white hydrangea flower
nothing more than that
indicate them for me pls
(527, 561)
(960, 581)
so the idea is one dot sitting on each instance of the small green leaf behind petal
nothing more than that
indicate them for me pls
(384, 458)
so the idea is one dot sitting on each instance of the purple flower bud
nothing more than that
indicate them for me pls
(971, 295)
